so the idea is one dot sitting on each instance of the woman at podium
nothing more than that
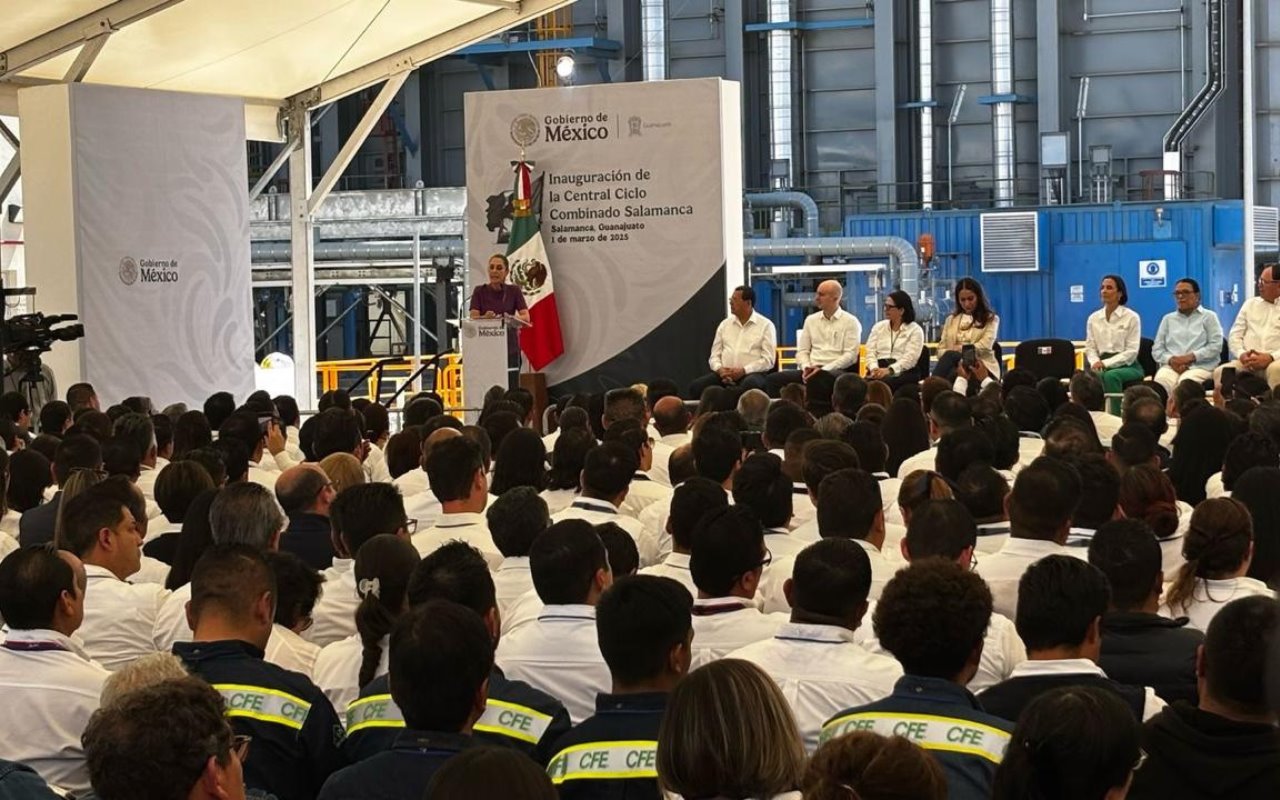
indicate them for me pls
(497, 298)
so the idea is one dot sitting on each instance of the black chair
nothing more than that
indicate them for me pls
(923, 366)
(998, 351)
(1047, 358)
(1146, 361)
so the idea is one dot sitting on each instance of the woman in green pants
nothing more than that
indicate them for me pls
(1113, 336)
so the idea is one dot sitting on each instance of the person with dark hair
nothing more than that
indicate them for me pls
(1112, 337)
(74, 452)
(55, 418)
(516, 715)
(783, 419)
(357, 515)
(138, 431)
(760, 486)
(1138, 645)
(1133, 445)
(813, 657)
(298, 587)
(516, 520)
(828, 341)
(455, 468)
(727, 556)
(691, 500)
(624, 556)
(490, 773)
(521, 461)
(1218, 548)
(1030, 413)
(30, 476)
(1087, 392)
(306, 494)
(403, 452)
(949, 413)
(217, 407)
(383, 567)
(190, 432)
(849, 394)
(82, 395)
(1246, 451)
(932, 617)
(439, 666)
(1073, 743)
(1188, 343)
(644, 631)
(870, 766)
(1041, 506)
(982, 490)
(1199, 450)
(1071, 434)
(972, 322)
(1227, 745)
(643, 491)
(119, 617)
(232, 611)
(564, 479)
(42, 594)
(1258, 489)
(163, 741)
(607, 475)
(744, 349)
(961, 448)
(557, 652)
(819, 458)
(895, 343)
(1099, 498)
(1061, 601)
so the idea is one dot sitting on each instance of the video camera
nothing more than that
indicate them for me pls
(36, 333)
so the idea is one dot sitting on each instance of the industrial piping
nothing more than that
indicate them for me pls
(1002, 122)
(904, 262)
(797, 200)
(1198, 108)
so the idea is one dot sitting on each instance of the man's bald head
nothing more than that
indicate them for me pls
(435, 438)
(301, 489)
(670, 415)
(828, 296)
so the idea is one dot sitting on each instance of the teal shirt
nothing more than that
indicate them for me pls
(1199, 332)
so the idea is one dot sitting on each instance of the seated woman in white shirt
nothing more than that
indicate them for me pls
(895, 343)
(971, 323)
(1219, 549)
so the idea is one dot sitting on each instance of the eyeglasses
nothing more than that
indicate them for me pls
(767, 560)
(411, 526)
(889, 306)
(240, 746)
(1182, 292)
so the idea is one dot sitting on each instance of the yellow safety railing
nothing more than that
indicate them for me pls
(448, 375)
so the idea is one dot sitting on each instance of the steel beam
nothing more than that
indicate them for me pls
(85, 58)
(9, 136)
(356, 140)
(276, 165)
(510, 5)
(63, 38)
(481, 28)
(9, 176)
(302, 268)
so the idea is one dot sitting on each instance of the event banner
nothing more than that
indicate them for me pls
(157, 210)
(638, 190)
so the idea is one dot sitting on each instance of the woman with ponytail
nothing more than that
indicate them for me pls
(383, 567)
(1146, 493)
(1218, 549)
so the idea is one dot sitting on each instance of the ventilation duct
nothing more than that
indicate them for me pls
(925, 69)
(1002, 134)
(1198, 108)
(1266, 228)
(904, 262)
(279, 252)
(1010, 242)
(653, 30)
(780, 94)
(796, 200)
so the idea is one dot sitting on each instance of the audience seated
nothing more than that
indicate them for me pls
(455, 468)
(515, 520)
(298, 587)
(607, 474)
(691, 500)
(306, 494)
(869, 766)
(1218, 551)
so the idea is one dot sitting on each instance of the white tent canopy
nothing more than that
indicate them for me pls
(266, 51)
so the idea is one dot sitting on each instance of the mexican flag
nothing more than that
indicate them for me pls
(531, 271)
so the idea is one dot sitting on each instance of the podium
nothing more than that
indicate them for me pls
(484, 359)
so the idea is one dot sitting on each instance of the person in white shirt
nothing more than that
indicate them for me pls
(1254, 340)
(628, 403)
(1113, 338)
(1029, 411)
(813, 657)
(607, 475)
(298, 586)
(120, 618)
(644, 491)
(818, 458)
(243, 427)
(1219, 549)
(946, 529)
(744, 349)
(515, 520)
(383, 568)
(1044, 497)
(896, 343)
(564, 478)
(50, 685)
(727, 557)
(139, 431)
(559, 652)
(455, 468)
(949, 412)
(829, 341)
(1086, 391)
(760, 486)
(358, 513)
(692, 500)
(1060, 607)
(671, 423)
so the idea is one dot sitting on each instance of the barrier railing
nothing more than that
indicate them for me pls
(448, 376)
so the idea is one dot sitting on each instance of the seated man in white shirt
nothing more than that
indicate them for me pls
(1044, 497)
(671, 421)
(728, 556)
(607, 475)
(419, 502)
(691, 501)
(358, 514)
(644, 490)
(298, 586)
(744, 348)
(829, 342)
(982, 491)
(456, 470)
(760, 486)
(1029, 411)
(867, 440)
(813, 657)
(629, 403)
(558, 652)
(50, 686)
(120, 618)
(139, 431)
(949, 412)
(1086, 391)
(243, 427)
(339, 430)
(820, 458)
(515, 520)
(1061, 601)
(1254, 340)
